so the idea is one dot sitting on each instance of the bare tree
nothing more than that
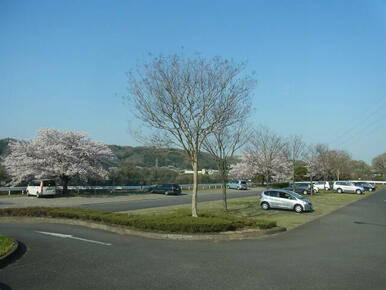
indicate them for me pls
(188, 99)
(57, 154)
(379, 164)
(221, 145)
(312, 159)
(295, 149)
(324, 160)
(339, 161)
(266, 153)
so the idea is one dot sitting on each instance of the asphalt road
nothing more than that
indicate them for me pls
(343, 250)
(161, 200)
(121, 202)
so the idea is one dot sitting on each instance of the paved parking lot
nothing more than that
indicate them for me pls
(121, 202)
(72, 201)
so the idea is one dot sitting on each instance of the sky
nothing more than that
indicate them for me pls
(320, 66)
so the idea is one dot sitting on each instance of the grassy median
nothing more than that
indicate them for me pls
(324, 202)
(179, 221)
(6, 245)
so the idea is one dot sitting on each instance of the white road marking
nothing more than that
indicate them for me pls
(64, 236)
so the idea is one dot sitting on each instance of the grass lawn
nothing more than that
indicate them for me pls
(323, 202)
(6, 245)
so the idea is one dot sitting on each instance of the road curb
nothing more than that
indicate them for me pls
(7, 258)
(227, 236)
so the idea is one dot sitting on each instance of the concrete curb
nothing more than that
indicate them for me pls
(152, 235)
(7, 258)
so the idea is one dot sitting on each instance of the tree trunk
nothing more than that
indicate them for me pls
(224, 188)
(312, 188)
(195, 185)
(65, 180)
(293, 172)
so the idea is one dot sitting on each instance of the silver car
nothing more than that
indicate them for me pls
(347, 186)
(237, 184)
(284, 199)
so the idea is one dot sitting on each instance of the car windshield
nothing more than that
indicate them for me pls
(296, 195)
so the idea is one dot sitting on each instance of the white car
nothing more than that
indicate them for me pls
(322, 185)
(347, 186)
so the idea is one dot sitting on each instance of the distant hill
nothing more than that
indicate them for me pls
(145, 156)
(149, 156)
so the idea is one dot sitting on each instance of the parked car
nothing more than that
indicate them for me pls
(284, 199)
(302, 188)
(347, 186)
(237, 184)
(166, 188)
(41, 187)
(322, 185)
(367, 186)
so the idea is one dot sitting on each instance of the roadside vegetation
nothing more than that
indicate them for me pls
(179, 221)
(6, 245)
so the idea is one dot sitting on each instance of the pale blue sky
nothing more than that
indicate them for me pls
(320, 65)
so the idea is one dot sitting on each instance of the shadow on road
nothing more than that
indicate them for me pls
(21, 250)
(371, 224)
(4, 287)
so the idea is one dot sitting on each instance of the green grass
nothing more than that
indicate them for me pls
(179, 221)
(6, 245)
(324, 202)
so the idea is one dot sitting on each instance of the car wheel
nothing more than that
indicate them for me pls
(370, 189)
(298, 208)
(265, 205)
(166, 192)
(305, 192)
(339, 190)
(358, 191)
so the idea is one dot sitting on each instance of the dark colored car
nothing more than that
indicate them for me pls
(302, 188)
(367, 186)
(166, 188)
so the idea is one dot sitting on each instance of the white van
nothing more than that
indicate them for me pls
(41, 187)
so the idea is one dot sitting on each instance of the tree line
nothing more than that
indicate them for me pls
(271, 158)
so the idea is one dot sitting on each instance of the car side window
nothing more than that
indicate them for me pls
(283, 195)
(273, 193)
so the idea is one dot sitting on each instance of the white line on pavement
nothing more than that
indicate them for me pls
(65, 236)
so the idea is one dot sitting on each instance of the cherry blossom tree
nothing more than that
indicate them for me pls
(251, 164)
(57, 154)
(268, 156)
(242, 169)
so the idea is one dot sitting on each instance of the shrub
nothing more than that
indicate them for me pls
(279, 185)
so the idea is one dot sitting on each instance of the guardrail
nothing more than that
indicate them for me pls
(95, 189)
